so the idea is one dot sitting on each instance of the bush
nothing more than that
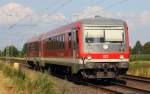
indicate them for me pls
(140, 57)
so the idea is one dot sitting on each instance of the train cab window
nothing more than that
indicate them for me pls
(69, 39)
(94, 36)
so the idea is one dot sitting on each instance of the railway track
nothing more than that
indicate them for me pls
(137, 78)
(115, 88)
(127, 89)
(102, 88)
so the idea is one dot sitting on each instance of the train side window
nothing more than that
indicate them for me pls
(55, 44)
(52, 43)
(59, 41)
(49, 44)
(69, 39)
(63, 41)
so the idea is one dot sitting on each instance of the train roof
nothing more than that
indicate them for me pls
(95, 20)
(102, 21)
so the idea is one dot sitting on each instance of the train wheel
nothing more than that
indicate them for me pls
(68, 73)
(41, 69)
(49, 70)
(77, 77)
(35, 67)
(32, 66)
(80, 77)
(30, 63)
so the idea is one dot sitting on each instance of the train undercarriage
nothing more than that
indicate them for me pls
(100, 70)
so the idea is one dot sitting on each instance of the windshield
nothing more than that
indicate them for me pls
(104, 38)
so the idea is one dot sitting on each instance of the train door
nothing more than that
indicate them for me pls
(72, 43)
(74, 47)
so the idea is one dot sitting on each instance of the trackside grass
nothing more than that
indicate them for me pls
(24, 84)
(139, 68)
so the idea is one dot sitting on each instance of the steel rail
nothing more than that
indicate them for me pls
(137, 78)
(110, 91)
(136, 90)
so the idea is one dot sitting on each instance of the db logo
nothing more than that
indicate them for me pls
(105, 56)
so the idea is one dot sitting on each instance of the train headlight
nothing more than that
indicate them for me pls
(121, 57)
(89, 57)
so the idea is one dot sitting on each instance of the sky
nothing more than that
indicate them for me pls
(21, 20)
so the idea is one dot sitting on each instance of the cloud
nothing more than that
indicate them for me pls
(19, 18)
(92, 11)
(50, 18)
(13, 12)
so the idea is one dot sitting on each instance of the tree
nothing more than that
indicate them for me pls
(24, 50)
(0, 53)
(137, 49)
(11, 51)
(146, 48)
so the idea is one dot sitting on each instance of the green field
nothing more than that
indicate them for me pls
(139, 68)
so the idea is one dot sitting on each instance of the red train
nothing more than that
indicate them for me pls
(90, 48)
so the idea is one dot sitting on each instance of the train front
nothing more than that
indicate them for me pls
(105, 48)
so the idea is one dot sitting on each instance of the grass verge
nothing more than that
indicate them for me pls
(139, 68)
(26, 85)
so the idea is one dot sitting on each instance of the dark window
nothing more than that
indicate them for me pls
(76, 41)
(54, 47)
(69, 39)
(48, 44)
(56, 42)
(52, 43)
(35, 46)
(59, 41)
(63, 41)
